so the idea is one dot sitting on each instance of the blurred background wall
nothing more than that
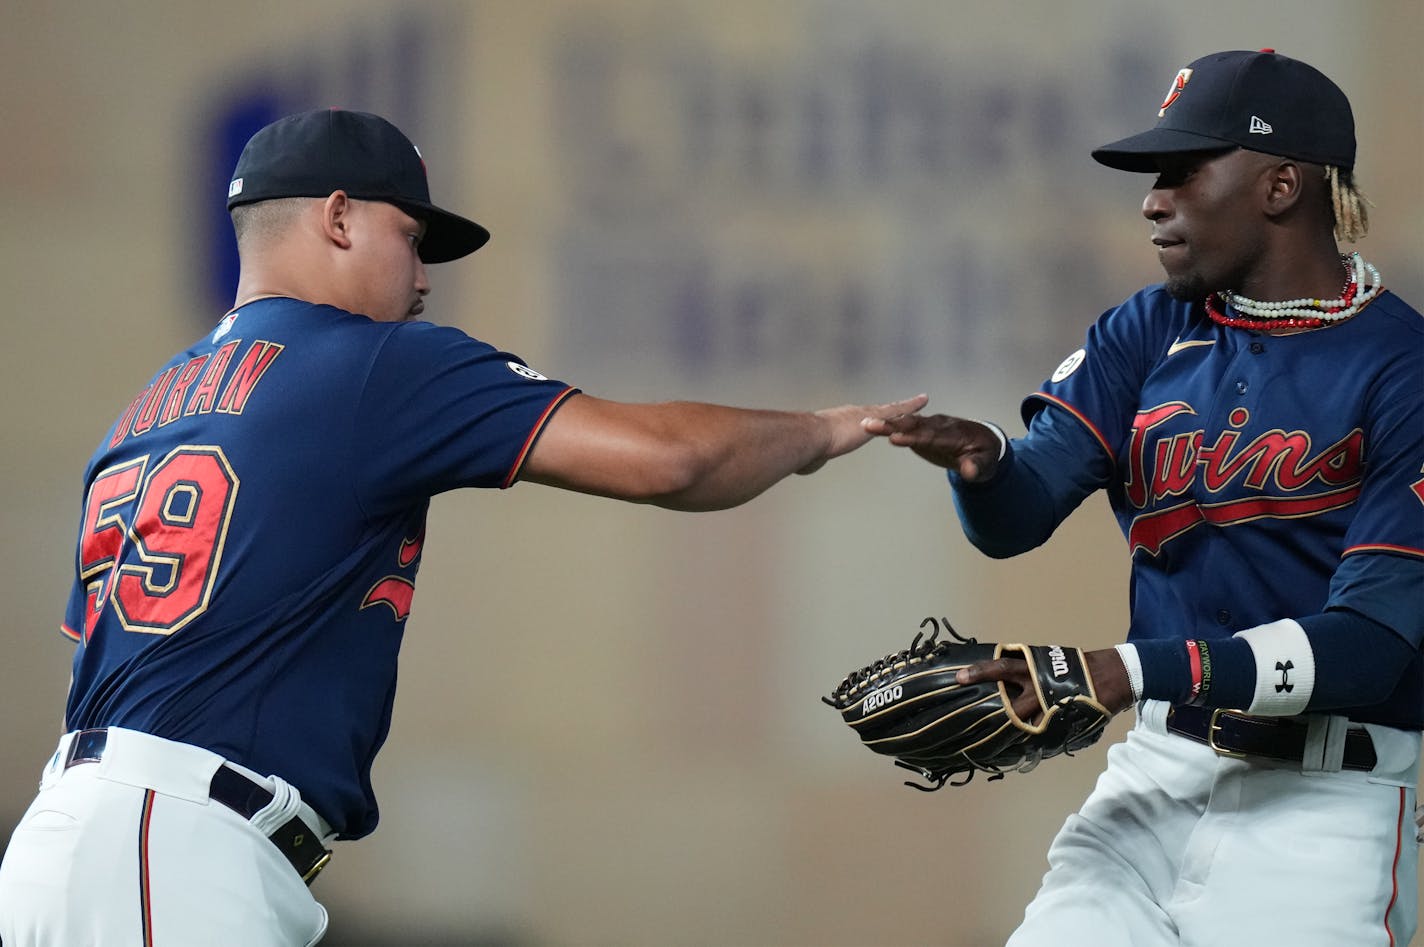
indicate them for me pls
(608, 729)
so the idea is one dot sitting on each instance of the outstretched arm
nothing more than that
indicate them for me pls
(689, 455)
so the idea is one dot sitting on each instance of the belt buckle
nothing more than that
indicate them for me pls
(1213, 728)
(315, 870)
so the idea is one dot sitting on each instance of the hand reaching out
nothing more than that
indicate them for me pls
(969, 447)
(847, 425)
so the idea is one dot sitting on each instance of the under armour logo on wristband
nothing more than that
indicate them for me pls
(1285, 670)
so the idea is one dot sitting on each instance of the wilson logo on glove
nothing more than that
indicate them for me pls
(1059, 660)
(910, 706)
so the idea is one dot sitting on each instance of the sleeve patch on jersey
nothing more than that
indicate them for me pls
(525, 371)
(1069, 365)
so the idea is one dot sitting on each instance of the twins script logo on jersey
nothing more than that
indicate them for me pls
(1276, 474)
(396, 592)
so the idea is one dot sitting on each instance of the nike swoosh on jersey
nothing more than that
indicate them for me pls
(1178, 345)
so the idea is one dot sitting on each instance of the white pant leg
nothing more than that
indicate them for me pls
(1179, 846)
(1116, 859)
(1311, 860)
(98, 861)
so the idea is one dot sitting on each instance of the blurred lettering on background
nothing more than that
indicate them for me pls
(857, 204)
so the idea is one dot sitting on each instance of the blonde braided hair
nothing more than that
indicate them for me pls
(1349, 205)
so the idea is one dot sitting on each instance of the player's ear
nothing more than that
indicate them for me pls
(336, 214)
(1284, 182)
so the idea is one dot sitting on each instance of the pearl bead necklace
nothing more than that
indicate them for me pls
(1305, 313)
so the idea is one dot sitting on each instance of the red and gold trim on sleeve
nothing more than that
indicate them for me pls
(1083, 420)
(534, 432)
(1384, 547)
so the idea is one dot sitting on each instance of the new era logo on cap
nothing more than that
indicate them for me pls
(1259, 126)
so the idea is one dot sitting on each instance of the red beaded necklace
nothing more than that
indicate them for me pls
(1241, 322)
(1362, 284)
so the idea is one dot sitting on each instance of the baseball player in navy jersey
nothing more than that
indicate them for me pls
(1257, 424)
(249, 538)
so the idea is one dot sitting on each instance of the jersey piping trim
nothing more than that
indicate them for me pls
(145, 891)
(1083, 420)
(1384, 547)
(1394, 867)
(534, 433)
(68, 632)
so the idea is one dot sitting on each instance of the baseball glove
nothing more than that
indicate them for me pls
(909, 706)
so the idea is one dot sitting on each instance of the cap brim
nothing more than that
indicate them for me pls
(1139, 152)
(447, 236)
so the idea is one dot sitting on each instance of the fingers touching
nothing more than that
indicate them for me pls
(969, 447)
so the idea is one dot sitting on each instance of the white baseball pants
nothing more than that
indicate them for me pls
(1177, 845)
(130, 852)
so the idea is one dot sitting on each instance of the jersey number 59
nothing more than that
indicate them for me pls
(152, 540)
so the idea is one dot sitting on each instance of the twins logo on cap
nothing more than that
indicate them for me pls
(1184, 76)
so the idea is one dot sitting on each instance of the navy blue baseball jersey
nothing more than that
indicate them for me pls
(1259, 477)
(252, 526)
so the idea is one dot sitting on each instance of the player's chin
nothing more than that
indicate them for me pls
(1186, 287)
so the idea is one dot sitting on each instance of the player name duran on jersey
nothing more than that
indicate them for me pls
(221, 380)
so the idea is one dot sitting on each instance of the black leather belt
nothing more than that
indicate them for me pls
(296, 840)
(1232, 733)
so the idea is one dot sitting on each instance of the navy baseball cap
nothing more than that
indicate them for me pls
(1261, 101)
(311, 154)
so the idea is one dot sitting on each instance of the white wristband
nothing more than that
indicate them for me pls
(1133, 662)
(1285, 668)
(999, 433)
